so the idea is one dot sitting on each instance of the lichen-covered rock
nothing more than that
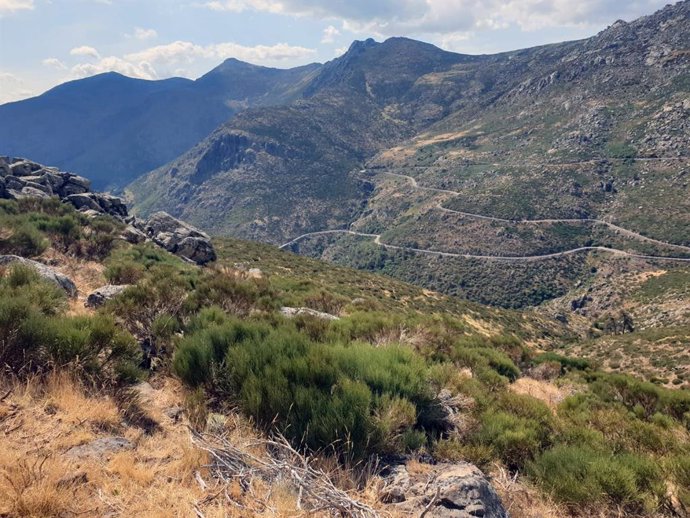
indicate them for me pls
(180, 238)
(446, 490)
(100, 448)
(44, 271)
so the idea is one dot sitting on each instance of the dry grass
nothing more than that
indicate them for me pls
(545, 391)
(87, 275)
(40, 420)
(522, 500)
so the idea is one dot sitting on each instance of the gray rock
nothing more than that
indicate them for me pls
(31, 191)
(74, 185)
(103, 447)
(44, 271)
(397, 485)
(24, 168)
(453, 491)
(83, 201)
(103, 294)
(198, 249)
(180, 238)
(133, 235)
(14, 183)
(99, 202)
(5, 169)
(295, 312)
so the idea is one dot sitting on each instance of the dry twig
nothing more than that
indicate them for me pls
(282, 462)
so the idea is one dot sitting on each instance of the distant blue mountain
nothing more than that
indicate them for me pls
(113, 128)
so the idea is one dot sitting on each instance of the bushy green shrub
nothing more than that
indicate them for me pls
(234, 295)
(357, 397)
(35, 337)
(579, 476)
(634, 393)
(23, 240)
(474, 353)
(567, 363)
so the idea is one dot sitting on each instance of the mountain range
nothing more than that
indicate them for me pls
(502, 178)
(114, 128)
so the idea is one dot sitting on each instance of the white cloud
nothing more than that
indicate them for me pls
(141, 70)
(85, 51)
(11, 6)
(54, 63)
(181, 58)
(395, 17)
(329, 34)
(180, 52)
(143, 34)
(13, 88)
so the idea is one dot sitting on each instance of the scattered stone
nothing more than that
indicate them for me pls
(296, 312)
(255, 273)
(397, 485)
(78, 478)
(103, 294)
(174, 412)
(103, 447)
(444, 490)
(44, 271)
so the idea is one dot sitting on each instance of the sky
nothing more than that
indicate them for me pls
(46, 42)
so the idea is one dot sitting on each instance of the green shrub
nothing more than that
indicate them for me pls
(355, 399)
(35, 337)
(579, 476)
(25, 240)
(567, 363)
(680, 467)
(480, 359)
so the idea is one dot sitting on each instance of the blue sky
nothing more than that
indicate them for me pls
(46, 42)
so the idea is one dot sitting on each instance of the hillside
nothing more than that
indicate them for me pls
(567, 155)
(268, 383)
(114, 128)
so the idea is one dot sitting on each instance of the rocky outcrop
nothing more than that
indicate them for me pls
(46, 272)
(178, 237)
(98, 298)
(21, 178)
(443, 491)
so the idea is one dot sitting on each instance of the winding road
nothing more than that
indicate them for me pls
(524, 258)
(624, 231)
(515, 258)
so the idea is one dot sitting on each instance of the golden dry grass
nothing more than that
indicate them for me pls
(40, 420)
(545, 391)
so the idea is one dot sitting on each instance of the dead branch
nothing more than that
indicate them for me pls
(282, 462)
(431, 503)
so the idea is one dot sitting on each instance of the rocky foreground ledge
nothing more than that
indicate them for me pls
(21, 178)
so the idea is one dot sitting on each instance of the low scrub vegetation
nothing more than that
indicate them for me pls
(36, 336)
(399, 372)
